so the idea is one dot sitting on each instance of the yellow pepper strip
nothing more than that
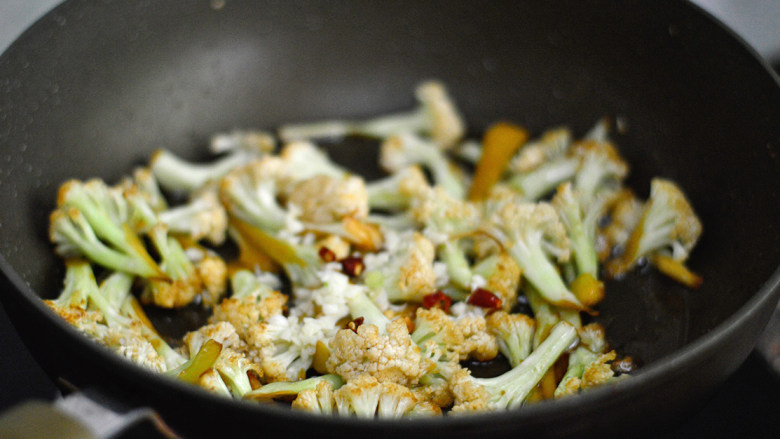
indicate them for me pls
(321, 354)
(588, 290)
(677, 271)
(252, 254)
(201, 362)
(500, 143)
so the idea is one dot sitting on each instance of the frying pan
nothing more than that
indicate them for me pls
(94, 87)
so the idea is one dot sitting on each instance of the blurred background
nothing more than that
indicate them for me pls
(745, 406)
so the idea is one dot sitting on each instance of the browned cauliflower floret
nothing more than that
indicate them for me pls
(478, 343)
(325, 199)
(624, 215)
(389, 357)
(586, 370)
(453, 339)
(213, 272)
(252, 302)
(598, 372)
(502, 277)
(405, 271)
(438, 335)
(434, 389)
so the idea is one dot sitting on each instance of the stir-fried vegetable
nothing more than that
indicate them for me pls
(357, 298)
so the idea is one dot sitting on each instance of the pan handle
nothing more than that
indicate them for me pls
(88, 414)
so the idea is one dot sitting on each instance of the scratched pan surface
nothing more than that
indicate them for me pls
(94, 87)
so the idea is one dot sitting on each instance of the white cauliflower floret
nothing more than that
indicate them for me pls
(284, 347)
(444, 216)
(203, 217)
(553, 143)
(389, 357)
(330, 299)
(324, 199)
(514, 333)
(398, 190)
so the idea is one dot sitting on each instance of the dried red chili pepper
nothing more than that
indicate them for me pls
(353, 266)
(484, 299)
(327, 254)
(354, 324)
(437, 300)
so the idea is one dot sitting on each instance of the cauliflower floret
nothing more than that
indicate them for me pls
(398, 190)
(599, 372)
(391, 357)
(668, 225)
(453, 339)
(531, 233)
(318, 400)
(324, 199)
(433, 388)
(132, 345)
(329, 300)
(363, 397)
(203, 217)
(407, 273)
(239, 373)
(126, 341)
(438, 335)
(444, 216)
(553, 143)
(514, 333)
(510, 389)
(222, 332)
(284, 347)
(624, 215)
(502, 277)
(212, 381)
(252, 302)
(478, 343)
(213, 273)
(366, 397)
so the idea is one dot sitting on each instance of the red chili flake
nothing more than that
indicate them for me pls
(437, 300)
(484, 299)
(327, 254)
(352, 266)
(354, 324)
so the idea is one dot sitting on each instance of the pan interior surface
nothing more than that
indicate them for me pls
(95, 87)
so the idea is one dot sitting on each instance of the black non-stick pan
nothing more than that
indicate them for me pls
(94, 87)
